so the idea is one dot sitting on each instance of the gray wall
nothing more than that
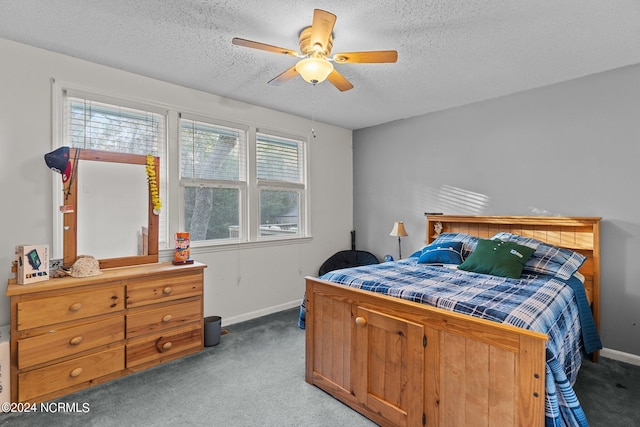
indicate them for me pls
(567, 149)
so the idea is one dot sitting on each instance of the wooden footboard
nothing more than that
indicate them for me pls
(406, 364)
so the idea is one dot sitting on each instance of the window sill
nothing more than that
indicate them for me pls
(203, 248)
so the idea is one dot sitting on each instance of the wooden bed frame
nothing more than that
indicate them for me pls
(401, 363)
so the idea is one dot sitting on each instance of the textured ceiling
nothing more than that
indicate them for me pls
(450, 52)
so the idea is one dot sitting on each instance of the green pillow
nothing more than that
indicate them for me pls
(505, 259)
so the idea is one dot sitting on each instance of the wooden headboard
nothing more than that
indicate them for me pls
(580, 234)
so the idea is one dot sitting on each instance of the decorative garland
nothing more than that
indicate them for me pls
(153, 185)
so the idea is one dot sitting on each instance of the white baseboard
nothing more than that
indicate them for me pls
(258, 313)
(620, 356)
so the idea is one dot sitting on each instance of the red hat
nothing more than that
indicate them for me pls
(58, 161)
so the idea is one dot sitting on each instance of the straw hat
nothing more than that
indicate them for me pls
(85, 266)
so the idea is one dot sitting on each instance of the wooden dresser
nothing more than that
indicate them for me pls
(71, 333)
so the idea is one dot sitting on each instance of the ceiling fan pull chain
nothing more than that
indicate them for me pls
(313, 110)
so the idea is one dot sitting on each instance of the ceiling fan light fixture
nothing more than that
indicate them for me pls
(314, 70)
(316, 44)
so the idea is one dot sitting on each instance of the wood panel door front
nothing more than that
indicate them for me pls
(389, 359)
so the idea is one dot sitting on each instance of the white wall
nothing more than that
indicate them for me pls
(239, 283)
(568, 149)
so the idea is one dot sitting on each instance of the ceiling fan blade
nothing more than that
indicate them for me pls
(262, 46)
(339, 81)
(321, 28)
(284, 76)
(376, 56)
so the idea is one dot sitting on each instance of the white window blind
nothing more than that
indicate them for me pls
(212, 152)
(279, 159)
(100, 126)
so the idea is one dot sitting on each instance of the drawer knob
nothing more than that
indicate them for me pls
(75, 307)
(76, 373)
(166, 318)
(162, 347)
(167, 290)
(75, 340)
(361, 321)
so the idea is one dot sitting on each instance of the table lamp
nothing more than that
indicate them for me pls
(398, 230)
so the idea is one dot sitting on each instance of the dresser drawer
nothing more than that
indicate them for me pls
(59, 343)
(168, 287)
(163, 346)
(71, 306)
(143, 320)
(66, 374)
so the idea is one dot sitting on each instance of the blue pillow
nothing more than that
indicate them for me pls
(444, 253)
(547, 259)
(416, 254)
(469, 242)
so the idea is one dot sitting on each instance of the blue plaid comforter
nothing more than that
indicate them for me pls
(540, 303)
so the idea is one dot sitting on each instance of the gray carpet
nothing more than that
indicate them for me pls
(609, 392)
(255, 377)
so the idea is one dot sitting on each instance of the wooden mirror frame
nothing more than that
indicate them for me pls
(70, 189)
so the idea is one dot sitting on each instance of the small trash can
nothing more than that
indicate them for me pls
(212, 330)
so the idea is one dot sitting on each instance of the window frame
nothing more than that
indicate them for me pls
(240, 185)
(250, 193)
(173, 202)
(277, 185)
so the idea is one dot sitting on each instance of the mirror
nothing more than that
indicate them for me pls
(112, 209)
(112, 216)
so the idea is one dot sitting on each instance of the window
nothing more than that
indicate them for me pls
(281, 185)
(219, 185)
(213, 180)
(226, 183)
(91, 121)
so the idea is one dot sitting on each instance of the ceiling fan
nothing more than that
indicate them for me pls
(316, 43)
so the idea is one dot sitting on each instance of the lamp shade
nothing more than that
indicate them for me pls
(314, 70)
(398, 229)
